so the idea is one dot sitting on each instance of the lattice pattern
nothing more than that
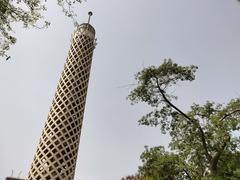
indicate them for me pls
(56, 154)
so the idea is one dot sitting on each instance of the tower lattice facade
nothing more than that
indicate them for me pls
(56, 155)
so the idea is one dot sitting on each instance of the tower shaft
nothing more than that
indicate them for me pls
(57, 150)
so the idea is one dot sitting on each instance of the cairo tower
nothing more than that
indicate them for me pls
(56, 155)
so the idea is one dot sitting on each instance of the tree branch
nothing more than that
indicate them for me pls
(168, 102)
(216, 157)
(203, 139)
(229, 114)
(188, 175)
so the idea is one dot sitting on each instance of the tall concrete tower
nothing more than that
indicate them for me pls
(56, 155)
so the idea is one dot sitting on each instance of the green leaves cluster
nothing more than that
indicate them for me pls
(29, 13)
(205, 140)
(152, 79)
(157, 163)
(68, 7)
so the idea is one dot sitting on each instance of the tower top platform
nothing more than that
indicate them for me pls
(87, 26)
(86, 29)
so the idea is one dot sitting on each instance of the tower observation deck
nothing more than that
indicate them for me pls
(56, 155)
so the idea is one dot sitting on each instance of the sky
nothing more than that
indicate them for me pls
(131, 35)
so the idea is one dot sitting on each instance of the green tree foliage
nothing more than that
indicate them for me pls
(205, 141)
(29, 13)
(157, 163)
(132, 177)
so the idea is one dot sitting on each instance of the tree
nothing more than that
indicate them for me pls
(132, 177)
(203, 140)
(29, 13)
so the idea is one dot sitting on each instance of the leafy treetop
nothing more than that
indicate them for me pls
(204, 140)
(29, 13)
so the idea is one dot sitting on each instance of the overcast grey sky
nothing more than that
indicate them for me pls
(131, 35)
